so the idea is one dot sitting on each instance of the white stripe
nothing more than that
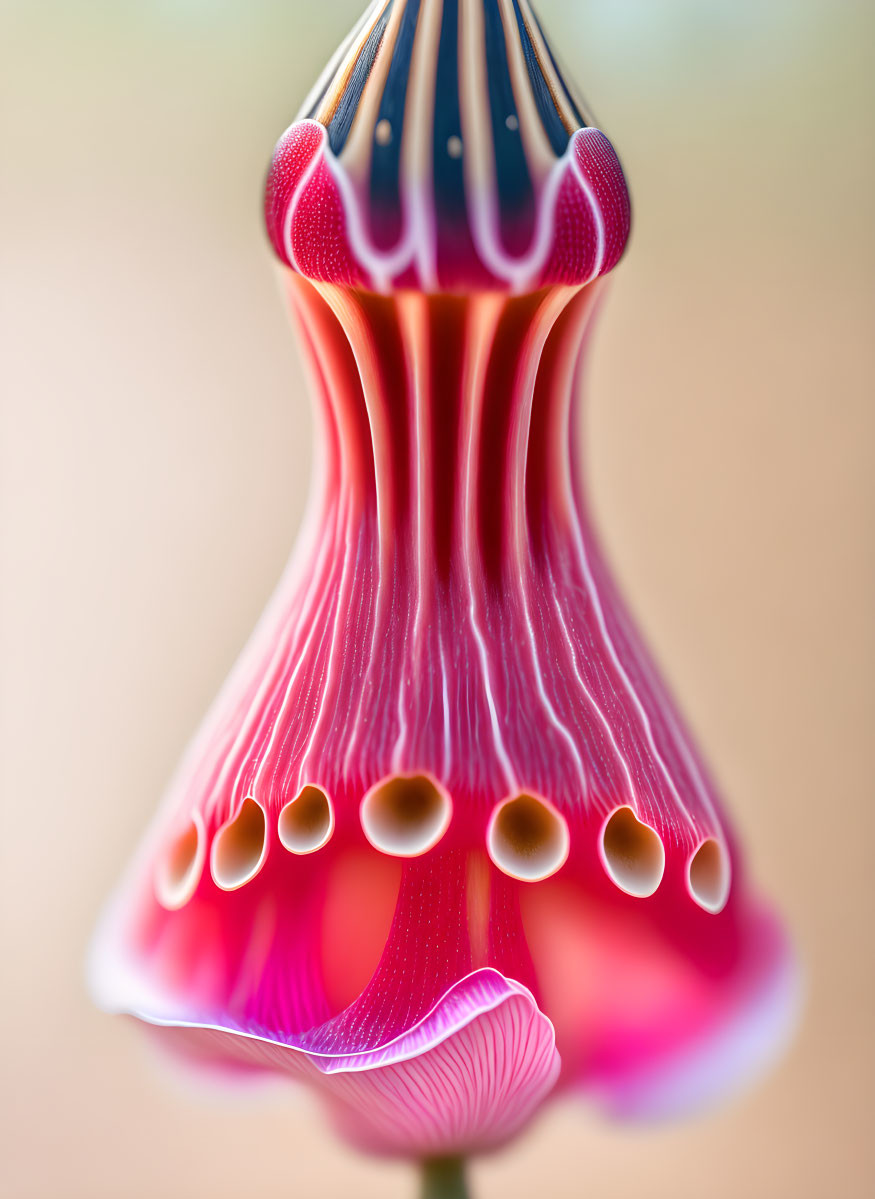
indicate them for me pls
(543, 321)
(473, 390)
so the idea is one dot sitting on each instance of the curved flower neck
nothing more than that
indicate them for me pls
(446, 419)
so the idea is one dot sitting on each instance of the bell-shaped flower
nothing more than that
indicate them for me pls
(443, 848)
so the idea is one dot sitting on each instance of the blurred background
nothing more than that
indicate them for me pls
(154, 464)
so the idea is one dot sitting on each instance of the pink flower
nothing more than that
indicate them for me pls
(443, 847)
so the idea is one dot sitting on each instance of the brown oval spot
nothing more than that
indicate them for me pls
(239, 847)
(306, 822)
(708, 874)
(632, 853)
(179, 867)
(527, 838)
(405, 817)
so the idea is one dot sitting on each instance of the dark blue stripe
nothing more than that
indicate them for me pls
(449, 184)
(512, 173)
(386, 160)
(339, 125)
(578, 115)
(550, 118)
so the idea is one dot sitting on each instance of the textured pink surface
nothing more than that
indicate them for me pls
(303, 210)
(581, 224)
(448, 613)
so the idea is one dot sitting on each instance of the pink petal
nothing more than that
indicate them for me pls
(465, 1078)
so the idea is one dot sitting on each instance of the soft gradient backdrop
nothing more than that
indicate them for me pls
(155, 458)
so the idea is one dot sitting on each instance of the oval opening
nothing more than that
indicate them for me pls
(179, 868)
(306, 822)
(708, 875)
(239, 847)
(632, 853)
(405, 816)
(527, 838)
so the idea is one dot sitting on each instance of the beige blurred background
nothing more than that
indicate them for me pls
(155, 446)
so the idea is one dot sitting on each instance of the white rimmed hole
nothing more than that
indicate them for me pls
(708, 875)
(527, 838)
(179, 868)
(632, 853)
(306, 822)
(239, 847)
(383, 132)
(405, 816)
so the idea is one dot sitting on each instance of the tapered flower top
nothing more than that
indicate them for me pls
(442, 150)
(443, 846)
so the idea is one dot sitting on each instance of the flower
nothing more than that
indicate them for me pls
(443, 847)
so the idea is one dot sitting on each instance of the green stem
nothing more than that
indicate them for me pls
(444, 1178)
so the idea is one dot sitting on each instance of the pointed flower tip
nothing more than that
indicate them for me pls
(442, 149)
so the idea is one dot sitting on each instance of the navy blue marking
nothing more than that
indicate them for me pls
(385, 197)
(449, 183)
(515, 191)
(560, 75)
(550, 118)
(347, 107)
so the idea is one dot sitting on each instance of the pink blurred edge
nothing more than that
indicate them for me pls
(722, 1064)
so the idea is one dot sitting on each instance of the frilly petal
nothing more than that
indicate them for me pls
(465, 1078)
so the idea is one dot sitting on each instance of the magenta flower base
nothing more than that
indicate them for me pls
(443, 847)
